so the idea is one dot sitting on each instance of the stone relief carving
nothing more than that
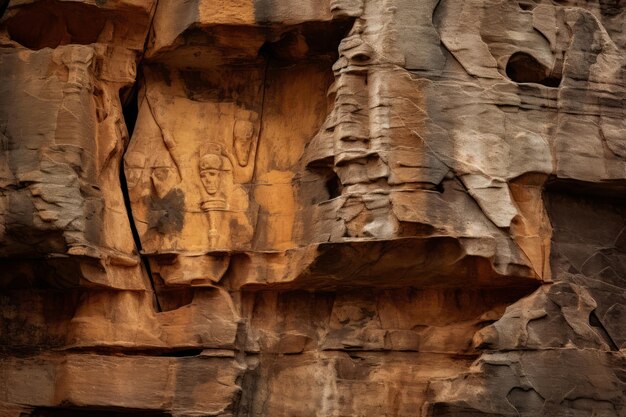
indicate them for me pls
(244, 136)
(225, 203)
(414, 207)
(134, 166)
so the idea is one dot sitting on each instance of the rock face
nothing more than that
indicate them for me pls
(281, 208)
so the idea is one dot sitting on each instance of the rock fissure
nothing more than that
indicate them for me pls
(135, 234)
(296, 208)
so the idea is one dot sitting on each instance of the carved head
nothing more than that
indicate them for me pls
(163, 176)
(134, 164)
(243, 135)
(211, 166)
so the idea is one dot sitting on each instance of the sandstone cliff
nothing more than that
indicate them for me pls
(285, 208)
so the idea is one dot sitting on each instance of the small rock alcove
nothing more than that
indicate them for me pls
(524, 68)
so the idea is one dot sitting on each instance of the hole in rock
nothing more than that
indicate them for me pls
(524, 68)
(525, 6)
(333, 186)
(48, 24)
(361, 57)
(321, 183)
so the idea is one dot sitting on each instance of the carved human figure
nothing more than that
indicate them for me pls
(225, 202)
(243, 137)
(211, 166)
(166, 203)
(163, 176)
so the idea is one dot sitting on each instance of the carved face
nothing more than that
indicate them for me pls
(162, 178)
(243, 134)
(133, 174)
(134, 164)
(161, 173)
(210, 180)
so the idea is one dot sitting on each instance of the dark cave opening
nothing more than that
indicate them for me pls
(524, 68)
(333, 186)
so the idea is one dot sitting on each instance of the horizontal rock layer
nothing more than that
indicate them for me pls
(312, 208)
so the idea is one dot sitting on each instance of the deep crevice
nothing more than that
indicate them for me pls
(185, 353)
(129, 99)
(130, 109)
(95, 412)
(595, 322)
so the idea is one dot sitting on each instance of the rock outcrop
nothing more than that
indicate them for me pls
(312, 208)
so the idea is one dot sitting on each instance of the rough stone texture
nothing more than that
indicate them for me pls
(281, 208)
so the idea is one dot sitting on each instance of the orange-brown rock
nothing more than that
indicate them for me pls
(280, 208)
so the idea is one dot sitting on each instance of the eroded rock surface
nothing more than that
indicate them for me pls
(312, 208)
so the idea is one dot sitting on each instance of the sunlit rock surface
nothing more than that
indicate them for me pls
(281, 208)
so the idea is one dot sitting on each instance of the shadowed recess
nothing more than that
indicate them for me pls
(66, 412)
(50, 24)
(524, 68)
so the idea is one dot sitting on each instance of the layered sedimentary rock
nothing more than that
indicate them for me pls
(312, 208)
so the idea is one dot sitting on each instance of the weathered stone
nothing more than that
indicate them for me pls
(312, 208)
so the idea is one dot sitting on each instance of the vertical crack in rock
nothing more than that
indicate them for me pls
(595, 322)
(3, 7)
(130, 108)
(130, 117)
(144, 259)
(265, 70)
(343, 210)
(265, 53)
